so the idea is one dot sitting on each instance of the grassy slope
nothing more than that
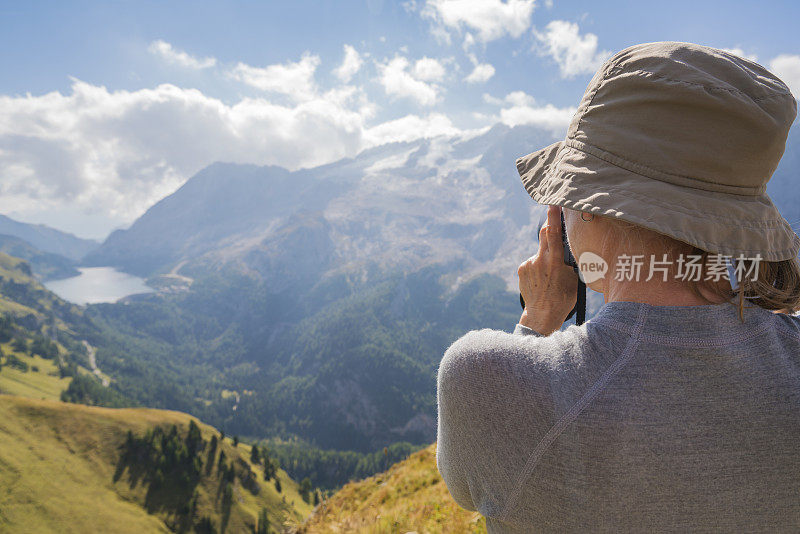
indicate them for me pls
(57, 463)
(17, 270)
(410, 496)
(10, 269)
(42, 384)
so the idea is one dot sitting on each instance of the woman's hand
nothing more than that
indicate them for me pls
(548, 285)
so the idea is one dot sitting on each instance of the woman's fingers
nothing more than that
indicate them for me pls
(554, 239)
(543, 240)
(547, 284)
(554, 216)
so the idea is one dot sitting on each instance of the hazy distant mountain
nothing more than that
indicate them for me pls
(394, 208)
(46, 265)
(48, 239)
(784, 187)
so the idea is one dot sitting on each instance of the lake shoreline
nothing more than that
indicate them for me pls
(95, 285)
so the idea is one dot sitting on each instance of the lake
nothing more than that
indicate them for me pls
(98, 284)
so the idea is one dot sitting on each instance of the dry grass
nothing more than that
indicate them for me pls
(42, 384)
(409, 497)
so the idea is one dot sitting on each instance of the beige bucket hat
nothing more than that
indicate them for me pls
(681, 139)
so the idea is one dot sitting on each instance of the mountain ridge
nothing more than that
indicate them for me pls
(48, 239)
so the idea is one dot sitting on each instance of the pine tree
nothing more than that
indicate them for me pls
(235, 441)
(254, 456)
(221, 463)
(19, 345)
(263, 522)
(194, 439)
(212, 451)
(227, 496)
(305, 489)
(277, 485)
(316, 497)
(205, 526)
(270, 468)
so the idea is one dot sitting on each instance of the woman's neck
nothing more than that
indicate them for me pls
(656, 293)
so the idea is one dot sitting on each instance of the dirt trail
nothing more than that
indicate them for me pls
(93, 363)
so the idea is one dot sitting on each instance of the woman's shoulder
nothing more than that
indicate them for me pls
(487, 355)
(789, 326)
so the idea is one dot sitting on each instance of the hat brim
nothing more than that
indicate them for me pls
(721, 223)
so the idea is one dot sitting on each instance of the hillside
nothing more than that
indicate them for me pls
(59, 463)
(45, 265)
(30, 376)
(48, 239)
(357, 374)
(35, 308)
(39, 348)
(42, 337)
(409, 497)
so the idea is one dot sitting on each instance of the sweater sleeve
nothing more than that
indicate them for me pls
(452, 433)
(481, 396)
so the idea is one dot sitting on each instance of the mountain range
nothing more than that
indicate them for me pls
(317, 303)
(395, 208)
(328, 293)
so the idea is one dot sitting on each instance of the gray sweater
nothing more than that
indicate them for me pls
(646, 418)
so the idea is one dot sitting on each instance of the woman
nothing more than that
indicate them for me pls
(677, 406)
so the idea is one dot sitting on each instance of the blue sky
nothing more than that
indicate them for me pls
(108, 106)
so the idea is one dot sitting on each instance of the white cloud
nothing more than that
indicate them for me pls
(494, 101)
(429, 70)
(410, 6)
(101, 155)
(514, 98)
(350, 64)
(108, 155)
(521, 108)
(575, 53)
(121, 151)
(787, 68)
(480, 74)
(489, 19)
(178, 57)
(547, 117)
(295, 79)
(409, 128)
(519, 99)
(741, 53)
(398, 81)
(469, 41)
